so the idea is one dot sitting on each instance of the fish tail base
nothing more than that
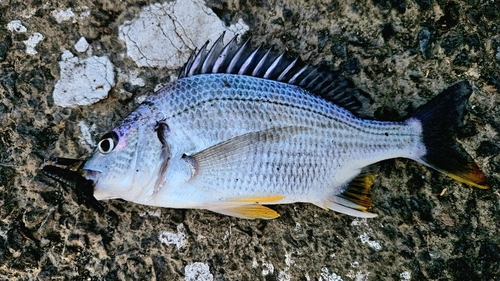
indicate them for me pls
(440, 119)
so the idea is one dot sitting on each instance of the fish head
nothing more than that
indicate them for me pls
(126, 162)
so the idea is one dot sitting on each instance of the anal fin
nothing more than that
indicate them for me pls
(359, 190)
(355, 200)
(252, 211)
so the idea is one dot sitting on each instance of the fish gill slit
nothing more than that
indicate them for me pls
(162, 131)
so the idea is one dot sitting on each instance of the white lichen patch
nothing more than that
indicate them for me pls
(178, 239)
(405, 275)
(356, 273)
(63, 15)
(327, 276)
(16, 26)
(288, 260)
(132, 77)
(164, 35)
(85, 139)
(359, 222)
(198, 272)
(152, 213)
(254, 263)
(81, 45)
(365, 238)
(31, 43)
(83, 81)
(298, 227)
(267, 267)
(68, 14)
(283, 274)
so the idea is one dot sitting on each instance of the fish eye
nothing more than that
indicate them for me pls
(108, 142)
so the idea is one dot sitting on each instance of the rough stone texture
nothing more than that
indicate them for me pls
(429, 226)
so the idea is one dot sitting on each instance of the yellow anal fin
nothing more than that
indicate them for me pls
(359, 190)
(258, 199)
(253, 211)
(355, 199)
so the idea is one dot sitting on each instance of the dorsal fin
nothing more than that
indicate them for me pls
(244, 60)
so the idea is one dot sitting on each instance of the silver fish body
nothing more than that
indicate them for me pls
(231, 143)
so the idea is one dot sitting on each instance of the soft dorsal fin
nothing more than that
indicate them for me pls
(262, 63)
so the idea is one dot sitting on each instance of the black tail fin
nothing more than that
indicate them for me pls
(440, 119)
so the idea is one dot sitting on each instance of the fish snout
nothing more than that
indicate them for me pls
(92, 175)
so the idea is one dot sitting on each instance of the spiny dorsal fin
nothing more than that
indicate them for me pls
(262, 63)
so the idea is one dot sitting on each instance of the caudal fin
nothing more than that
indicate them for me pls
(440, 119)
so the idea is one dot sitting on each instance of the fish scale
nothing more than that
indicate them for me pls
(262, 104)
(312, 109)
(228, 137)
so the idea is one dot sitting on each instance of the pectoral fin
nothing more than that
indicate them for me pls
(162, 131)
(238, 151)
(252, 211)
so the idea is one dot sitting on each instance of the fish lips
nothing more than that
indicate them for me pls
(85, 190)
(92, 175)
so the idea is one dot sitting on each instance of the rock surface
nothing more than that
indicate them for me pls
(429, 227)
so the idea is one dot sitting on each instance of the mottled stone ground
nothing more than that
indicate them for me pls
(400, 52)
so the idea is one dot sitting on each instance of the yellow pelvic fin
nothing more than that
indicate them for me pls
(253, 211)
(258, 199)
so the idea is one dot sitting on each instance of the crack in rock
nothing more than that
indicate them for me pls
(164, 35)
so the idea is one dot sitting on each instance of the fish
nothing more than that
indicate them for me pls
(243, 128)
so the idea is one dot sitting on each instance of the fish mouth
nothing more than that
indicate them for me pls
(92, 175)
